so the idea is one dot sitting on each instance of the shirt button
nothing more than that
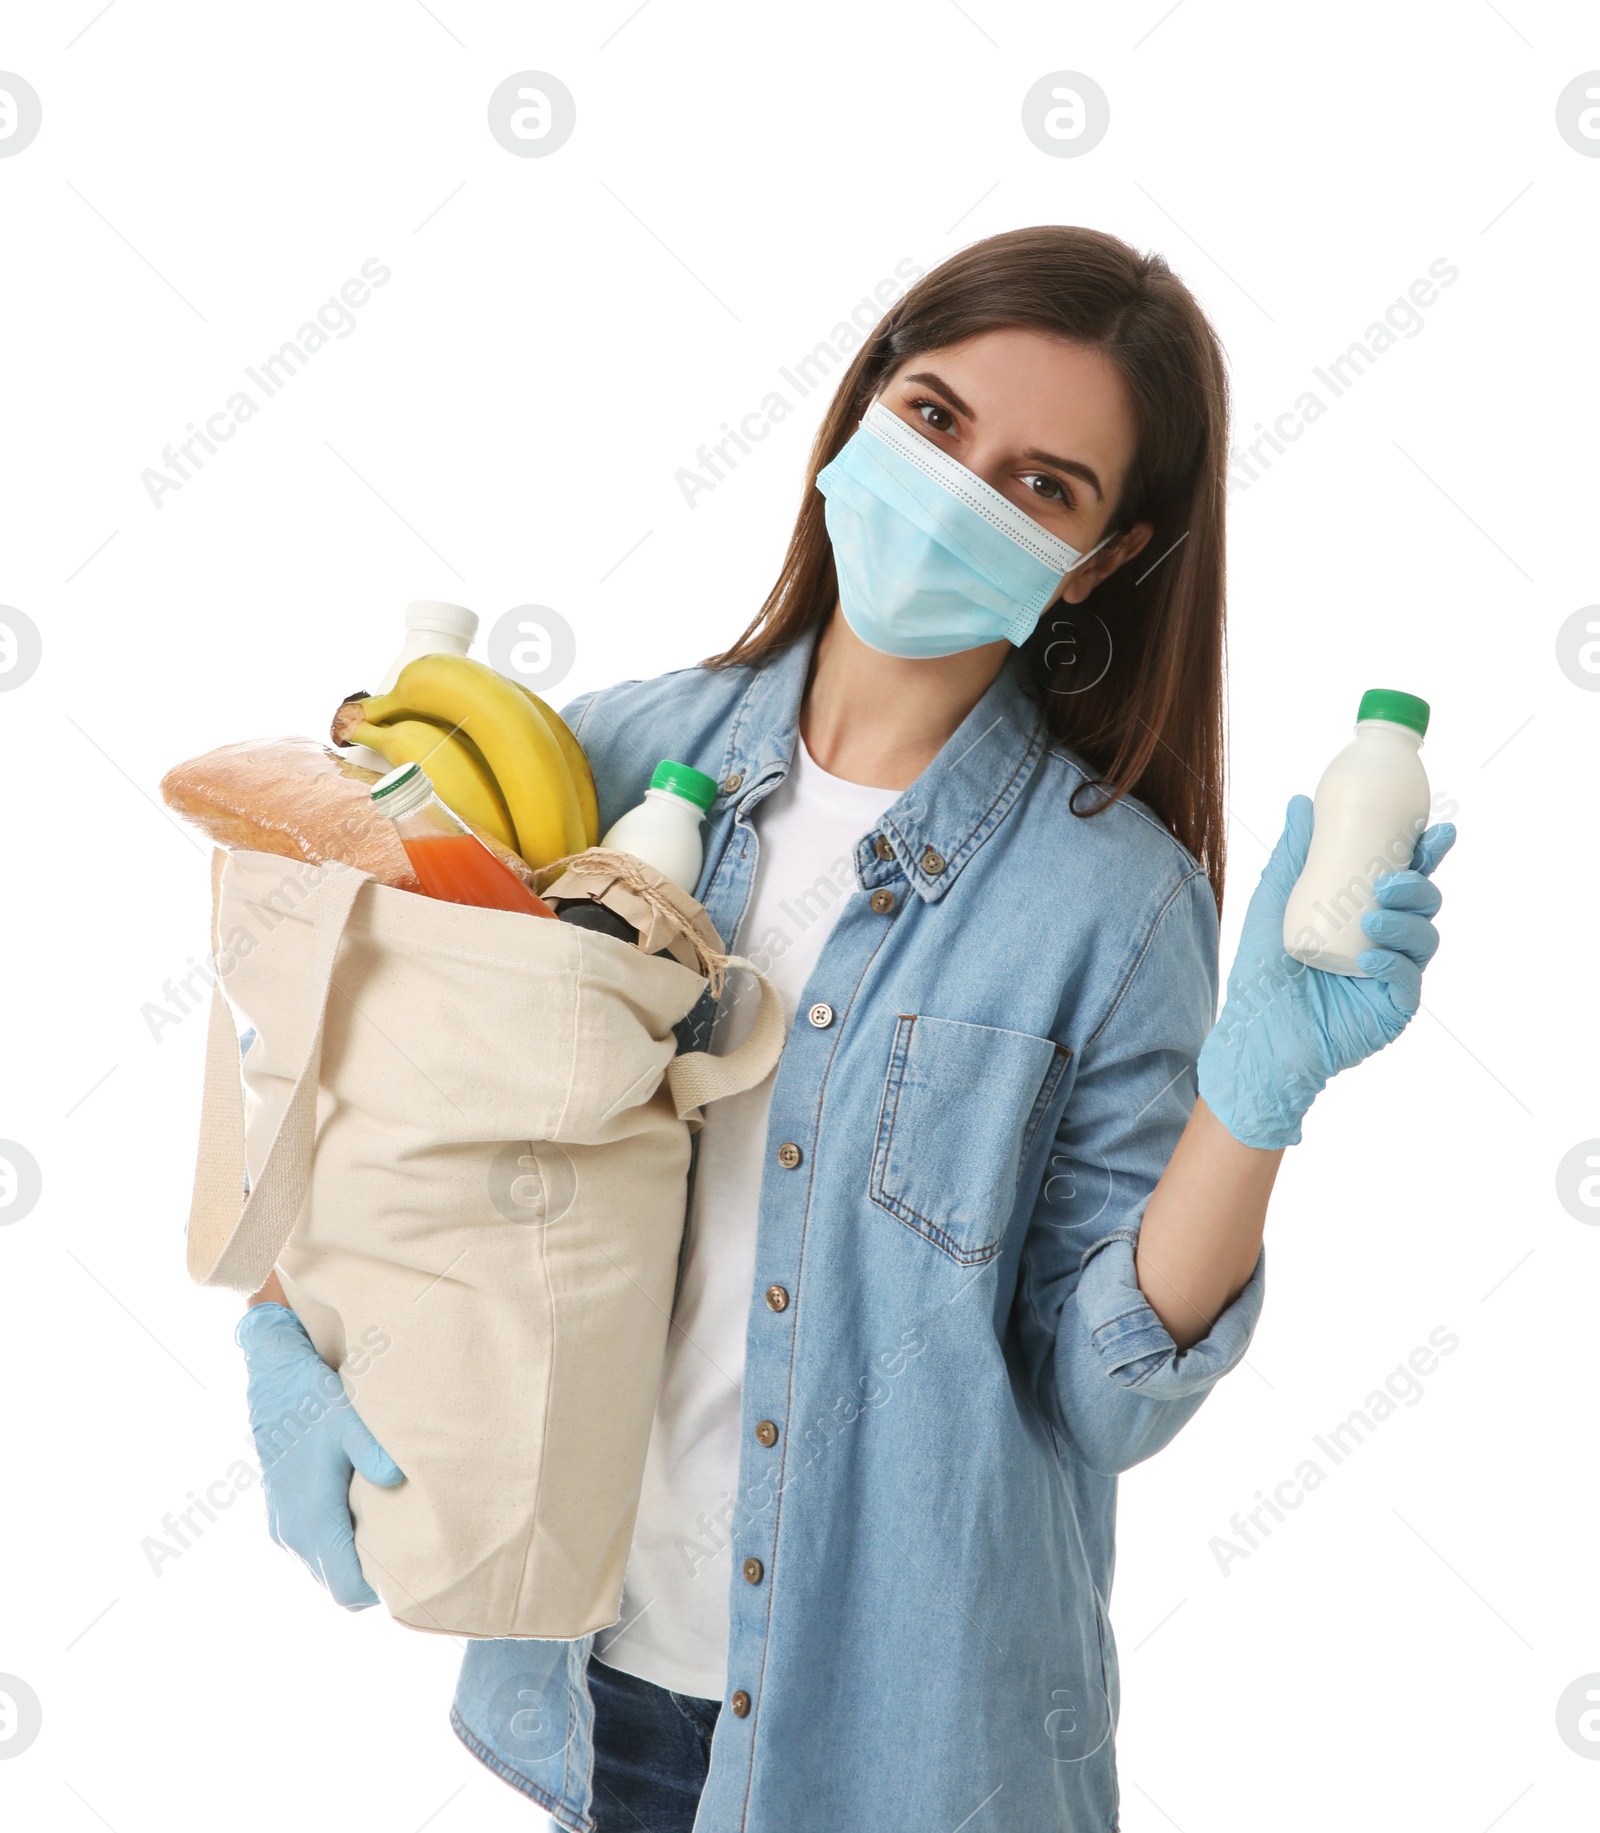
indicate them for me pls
(882, 847)
(788, 1155)
(932, 862)
(740, 1704)
(767, 1434)
(752, 1571)
(882, 902)
(731, 784)
(777, 1298)
(821, 1015)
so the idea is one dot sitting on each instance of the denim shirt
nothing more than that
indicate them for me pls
(945, 1325)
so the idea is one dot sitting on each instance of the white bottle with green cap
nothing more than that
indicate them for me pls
(1370, 808)
(664, 830)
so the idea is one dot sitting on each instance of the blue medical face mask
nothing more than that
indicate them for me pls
(931, 559)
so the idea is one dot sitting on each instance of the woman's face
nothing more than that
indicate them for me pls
(1046, 422)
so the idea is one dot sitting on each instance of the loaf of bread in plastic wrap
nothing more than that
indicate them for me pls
(295, 797)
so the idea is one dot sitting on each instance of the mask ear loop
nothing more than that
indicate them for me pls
(1102, 542)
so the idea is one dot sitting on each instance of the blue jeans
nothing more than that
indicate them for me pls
(652, 1749)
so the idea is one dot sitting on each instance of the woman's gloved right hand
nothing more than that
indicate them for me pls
(309, 1439)
(1286, 1029)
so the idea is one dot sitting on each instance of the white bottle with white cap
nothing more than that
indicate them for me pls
(1370, 809)
(433, 628)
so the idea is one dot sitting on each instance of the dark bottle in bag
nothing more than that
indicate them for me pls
(587, 914)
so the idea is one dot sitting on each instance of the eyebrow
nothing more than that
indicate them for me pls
(1072, 466)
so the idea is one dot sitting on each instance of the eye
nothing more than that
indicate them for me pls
(1051, 488)
(936, 415)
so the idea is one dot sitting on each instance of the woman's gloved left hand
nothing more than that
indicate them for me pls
(1286, 1028)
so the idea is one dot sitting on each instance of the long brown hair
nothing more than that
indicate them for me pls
(1152, 725)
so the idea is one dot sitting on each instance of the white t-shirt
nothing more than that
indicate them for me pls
(674, 1625)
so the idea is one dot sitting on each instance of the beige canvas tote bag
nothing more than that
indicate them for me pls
(466, 1135)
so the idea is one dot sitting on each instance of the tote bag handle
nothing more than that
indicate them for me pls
(236, 1246)
(696, 1076)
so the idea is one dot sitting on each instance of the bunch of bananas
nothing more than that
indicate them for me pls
(496, 754)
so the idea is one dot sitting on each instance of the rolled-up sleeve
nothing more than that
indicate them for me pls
(1104, 1366)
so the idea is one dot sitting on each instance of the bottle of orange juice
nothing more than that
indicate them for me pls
(450, 860)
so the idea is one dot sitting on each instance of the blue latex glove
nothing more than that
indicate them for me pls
(1286, 1028)
(309, 1439)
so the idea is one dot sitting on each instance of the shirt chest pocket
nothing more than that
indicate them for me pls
(961, 1106)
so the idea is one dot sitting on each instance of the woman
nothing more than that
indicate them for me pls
(992, 1230)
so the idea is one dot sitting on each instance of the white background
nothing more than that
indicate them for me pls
(501, 428)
